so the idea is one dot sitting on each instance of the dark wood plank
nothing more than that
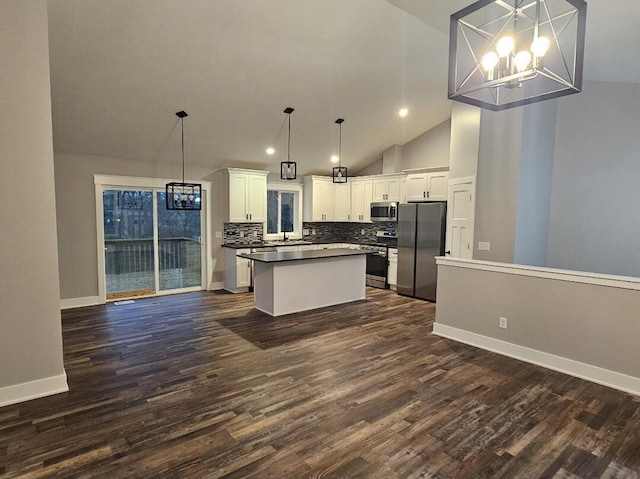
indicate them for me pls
(203, 385)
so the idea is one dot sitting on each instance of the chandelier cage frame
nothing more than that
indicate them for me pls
(477, 30)
(180, 195)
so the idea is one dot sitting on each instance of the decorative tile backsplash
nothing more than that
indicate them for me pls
(247, 233)
(242, 233)
(347, 232)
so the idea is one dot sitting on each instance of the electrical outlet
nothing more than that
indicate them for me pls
(362, 232)
(241, 234)
(484, 246)
(503, 322)
(218, 234)
(255, 234)
(313, 231)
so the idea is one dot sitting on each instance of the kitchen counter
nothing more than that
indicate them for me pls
(258, 245)
(277, 257)
(293, 281)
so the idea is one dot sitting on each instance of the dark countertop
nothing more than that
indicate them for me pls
(295, 243)
(276, 257)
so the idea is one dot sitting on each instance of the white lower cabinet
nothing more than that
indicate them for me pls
(237, 271)
(392, 270)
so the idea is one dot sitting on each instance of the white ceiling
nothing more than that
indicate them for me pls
(120, 69)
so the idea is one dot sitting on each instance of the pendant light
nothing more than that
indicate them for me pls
(288, 168)
(340, 172)
(183, 196)
(509, 53)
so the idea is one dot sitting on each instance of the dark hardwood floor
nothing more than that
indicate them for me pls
(202, 385)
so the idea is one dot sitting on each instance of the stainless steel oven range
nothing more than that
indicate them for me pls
(376, 265)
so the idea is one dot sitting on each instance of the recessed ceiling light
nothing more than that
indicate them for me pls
(403, 112)
(334, 158)
(270, 151)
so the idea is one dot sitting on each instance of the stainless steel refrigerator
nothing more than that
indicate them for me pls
(421, 237)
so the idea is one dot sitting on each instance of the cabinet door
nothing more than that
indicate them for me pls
(417, 187)
(393, 189)
(438, 186)
(357, 198)
(367, 198)
(238, 189)
(257, 198)
(243, 272)
(323, 201)
(342, 197)
(380, 190)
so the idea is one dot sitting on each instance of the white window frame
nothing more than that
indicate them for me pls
(107, 182)
(297, 227)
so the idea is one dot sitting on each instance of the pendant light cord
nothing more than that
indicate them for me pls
(289, 142)
(340, 152)
(182, 125)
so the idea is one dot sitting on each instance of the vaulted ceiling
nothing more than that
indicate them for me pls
(120, 69)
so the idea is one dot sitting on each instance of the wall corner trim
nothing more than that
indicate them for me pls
(595, 374)
(33, 389)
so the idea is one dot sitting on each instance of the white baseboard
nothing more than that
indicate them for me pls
(33, 389)
(580, 370)
(80, 302)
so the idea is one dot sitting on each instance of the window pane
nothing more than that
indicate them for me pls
(287, 212)
(272, 211)
(179, 247)
(128, 243)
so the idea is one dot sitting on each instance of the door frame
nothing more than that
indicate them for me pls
(470, 180)
(108, 182)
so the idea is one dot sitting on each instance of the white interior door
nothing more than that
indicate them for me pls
(460, 217)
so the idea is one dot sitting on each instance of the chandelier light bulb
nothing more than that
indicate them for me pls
(505, 46)
(522, 60)
(489, 61)
(540, 46)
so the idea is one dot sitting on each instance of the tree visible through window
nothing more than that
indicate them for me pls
(280, 211)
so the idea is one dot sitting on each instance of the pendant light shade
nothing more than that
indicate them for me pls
(183, 196)
(340, 172)
(288, 168)
(508, 53)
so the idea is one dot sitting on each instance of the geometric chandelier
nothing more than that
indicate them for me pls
(181, 195)
(508, 53)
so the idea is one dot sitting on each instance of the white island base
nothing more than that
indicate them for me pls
(285, 287)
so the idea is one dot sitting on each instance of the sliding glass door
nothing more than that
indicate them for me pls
(180, 250)
(149, 249)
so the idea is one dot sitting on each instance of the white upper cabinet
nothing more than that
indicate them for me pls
(319, 199)
(387, 188)
(427, 186)
(361, 197)
(246, 196)
(342, 196)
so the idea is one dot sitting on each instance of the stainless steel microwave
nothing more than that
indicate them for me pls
(384, 211)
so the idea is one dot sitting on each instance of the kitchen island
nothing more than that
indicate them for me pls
(292, 281)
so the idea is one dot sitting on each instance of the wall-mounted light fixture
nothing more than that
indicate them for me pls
(340, 172)
(508, 53)
(183, 196)
(288, 168)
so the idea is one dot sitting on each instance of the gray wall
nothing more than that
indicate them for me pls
(465, 131)
(594, 221)
(497, 184)
(429, 149)
(31, 338)
(534, 183)
(75, 200)
(557, 317)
